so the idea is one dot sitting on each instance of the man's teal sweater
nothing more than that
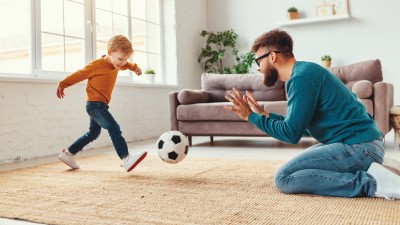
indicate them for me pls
(320, 105)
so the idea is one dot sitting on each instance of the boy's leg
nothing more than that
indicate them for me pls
(332, 170)
(103, 118)
(68, 156)
(91, 135)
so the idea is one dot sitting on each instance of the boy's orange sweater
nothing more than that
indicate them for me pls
(101, 76)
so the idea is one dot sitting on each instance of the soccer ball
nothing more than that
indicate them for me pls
(172, 146)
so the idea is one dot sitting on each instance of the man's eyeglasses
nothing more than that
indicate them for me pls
(263, 56)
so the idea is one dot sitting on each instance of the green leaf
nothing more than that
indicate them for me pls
(213, 55)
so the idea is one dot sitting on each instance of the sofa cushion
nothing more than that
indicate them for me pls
(216, 128)
(213, 111)
(367, 70)
(363, 88)
(186, 96)
(217, 85)
(278, 107)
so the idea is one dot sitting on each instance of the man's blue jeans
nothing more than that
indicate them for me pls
(332, 170)
(100, 117)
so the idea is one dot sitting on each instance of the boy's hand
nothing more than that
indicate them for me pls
(138, 71)
(60, 92)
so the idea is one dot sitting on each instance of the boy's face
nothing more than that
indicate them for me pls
(118, 59)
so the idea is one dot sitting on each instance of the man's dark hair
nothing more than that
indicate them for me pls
(275, 40)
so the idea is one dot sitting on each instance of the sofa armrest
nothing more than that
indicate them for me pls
(173, 104)
(383, 101)
(187, 96)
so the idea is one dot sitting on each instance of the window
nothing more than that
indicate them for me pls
(146, 34)
(111, 19)
(62, 36)
(15, 40)
(53, 38)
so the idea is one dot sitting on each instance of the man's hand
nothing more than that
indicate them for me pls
(60, 92)
(138, 71)
(249, 98)
(241, 107)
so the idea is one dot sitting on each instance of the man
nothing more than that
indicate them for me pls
(347, 162)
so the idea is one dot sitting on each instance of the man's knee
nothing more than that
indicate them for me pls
(278, 181)
(281, 182)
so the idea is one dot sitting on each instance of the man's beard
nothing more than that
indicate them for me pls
(270, 76)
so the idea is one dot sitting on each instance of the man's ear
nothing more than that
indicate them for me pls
(273, 57)
(108, 51)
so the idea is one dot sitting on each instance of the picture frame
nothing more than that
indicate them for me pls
(325, 10)
(339, 6)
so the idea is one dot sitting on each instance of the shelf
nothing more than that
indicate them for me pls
(312, 20)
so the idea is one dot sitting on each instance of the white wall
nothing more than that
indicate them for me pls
(191, 19)
(183, 22)
(371, 33)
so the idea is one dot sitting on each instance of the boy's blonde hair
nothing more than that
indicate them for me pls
(119, 43)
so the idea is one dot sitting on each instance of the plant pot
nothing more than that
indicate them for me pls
(149, 78)
(326, 63)
(293, 15)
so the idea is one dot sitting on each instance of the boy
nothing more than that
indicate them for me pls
(101, 75)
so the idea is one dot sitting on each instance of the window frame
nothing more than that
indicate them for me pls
(90, 34)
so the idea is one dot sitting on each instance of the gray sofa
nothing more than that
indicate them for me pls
(201, 112)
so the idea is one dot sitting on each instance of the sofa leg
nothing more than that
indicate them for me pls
(190, 140)
(212, 139)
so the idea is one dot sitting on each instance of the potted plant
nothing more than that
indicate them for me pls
(150, 75)
(293, 13)
(326, 61)
(218, 46)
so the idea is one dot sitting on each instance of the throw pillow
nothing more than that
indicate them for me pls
(186, 96)
(363, 88)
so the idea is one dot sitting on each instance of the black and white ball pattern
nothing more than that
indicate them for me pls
(172, 146)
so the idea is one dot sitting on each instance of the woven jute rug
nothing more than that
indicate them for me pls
(195, 191)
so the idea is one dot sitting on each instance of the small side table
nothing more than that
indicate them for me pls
(395, 120)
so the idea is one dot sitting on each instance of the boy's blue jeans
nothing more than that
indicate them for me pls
(100, 117)
(332, 170)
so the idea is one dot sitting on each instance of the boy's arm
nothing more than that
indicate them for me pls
(74, 78)
(134, 67)
(77, 77)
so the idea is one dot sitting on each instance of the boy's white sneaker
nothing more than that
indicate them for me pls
(68, 159)
(131, 161)
(387, 182)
